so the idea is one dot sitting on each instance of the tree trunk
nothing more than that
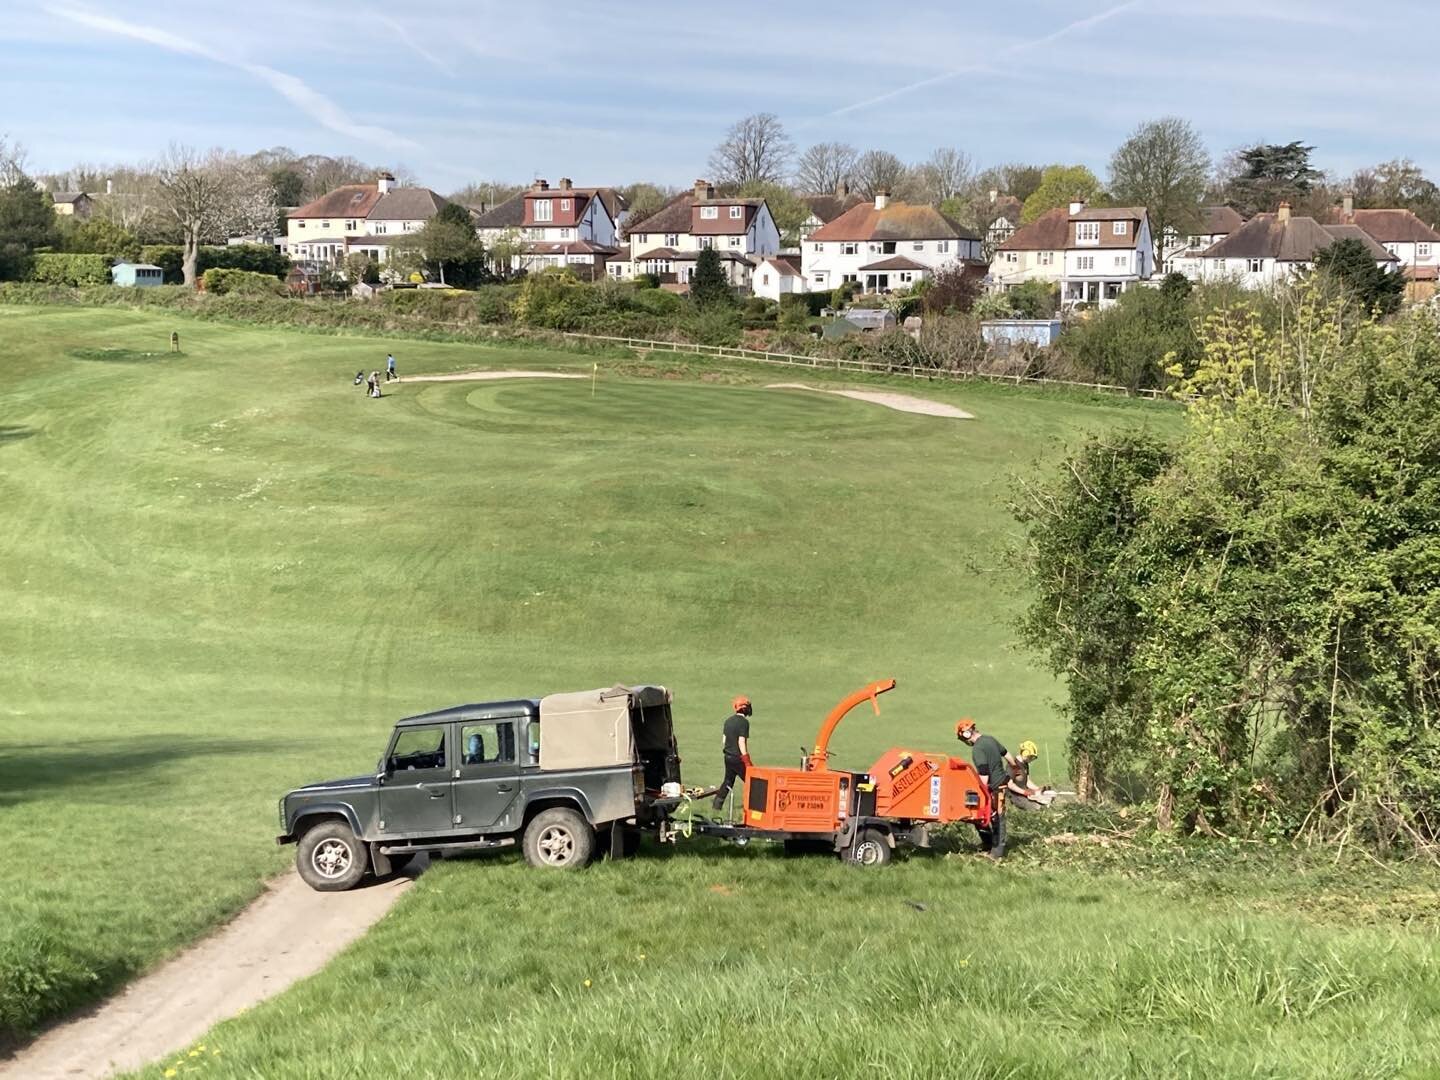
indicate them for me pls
(442, 272)
(192, 257)
(1084, 777)
(1165, 809)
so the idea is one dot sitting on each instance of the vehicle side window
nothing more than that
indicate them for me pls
(419, 748)
(488, 744)
(533, 749)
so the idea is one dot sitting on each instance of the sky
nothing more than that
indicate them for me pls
(612, 91)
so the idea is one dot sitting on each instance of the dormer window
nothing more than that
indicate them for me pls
(709, 213)
(1087, 232)
(564, 204)
(736, 213)
(1122, 228)
(544, 209)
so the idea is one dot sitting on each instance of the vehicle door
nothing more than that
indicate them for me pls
(487, 777)
(415, 793)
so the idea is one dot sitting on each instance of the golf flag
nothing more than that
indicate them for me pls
(594, 374)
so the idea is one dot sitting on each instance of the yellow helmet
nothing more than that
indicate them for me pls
(1028, 749)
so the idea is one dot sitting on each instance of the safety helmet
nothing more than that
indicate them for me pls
(1028, 749)
(741, 703)
(963, 726)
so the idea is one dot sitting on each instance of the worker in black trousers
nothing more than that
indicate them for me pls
(994, 763)
(736, 748)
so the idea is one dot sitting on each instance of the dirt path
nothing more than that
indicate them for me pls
(288, 933)
(486, 376)
(898, 402)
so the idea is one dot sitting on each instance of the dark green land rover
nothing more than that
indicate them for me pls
(554, 774)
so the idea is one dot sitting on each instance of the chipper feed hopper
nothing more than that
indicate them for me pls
(861, 815)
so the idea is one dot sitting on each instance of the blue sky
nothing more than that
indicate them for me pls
(608, 92)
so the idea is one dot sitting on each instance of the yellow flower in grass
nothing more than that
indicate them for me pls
(171, 1072)
(587, 983)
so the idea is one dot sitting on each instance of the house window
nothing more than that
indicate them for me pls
(1255, 266)
(888, 247)
(849, 249)
(1011, 257)
(943, 247)
(643, 238)
(874, 249)
(1085, 262)
(764, 279)
(736, 241)
(672, 239)
(736, 213)
(1122, 260)
(299, 224)
(706, 243)
(1121, 228)
(1045, 258)
(1087, 232)
(564, 204)
(709, 213)
(380, 228)
(818, 247)
(544, 210)
(1422, 251)
(919, 245)
(324, 224)
(819, 277)
(849, 277)
(906, 277)
(567, 234)
(349, 226)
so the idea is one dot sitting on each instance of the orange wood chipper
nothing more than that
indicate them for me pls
(861, 815)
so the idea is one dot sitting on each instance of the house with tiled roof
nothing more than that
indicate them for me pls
(885, 245)
(1181, 254)
(1270, 249)
(668, 242)
(364, 218)
(1108, 250)
(563, 225)
(776, 276)
(826, 208)
(1033, 252)
(1002, 218)
(72, 204)
(1414, 243)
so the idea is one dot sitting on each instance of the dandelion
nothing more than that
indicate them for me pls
(587, 983)
(170, 1072)
(194, 1053)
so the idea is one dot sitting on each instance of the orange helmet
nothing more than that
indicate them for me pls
(741, 703)
(963, 726)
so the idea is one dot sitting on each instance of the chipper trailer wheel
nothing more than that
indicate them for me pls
(871, 848)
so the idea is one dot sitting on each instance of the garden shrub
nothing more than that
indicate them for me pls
(58, 269)
(220, 281)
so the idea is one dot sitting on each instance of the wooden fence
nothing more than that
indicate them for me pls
(828, 363)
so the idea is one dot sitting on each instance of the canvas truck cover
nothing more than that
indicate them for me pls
(591, 728)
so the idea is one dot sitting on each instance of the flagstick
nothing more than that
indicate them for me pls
(594, 374)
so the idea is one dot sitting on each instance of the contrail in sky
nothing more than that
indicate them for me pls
(1009, 50)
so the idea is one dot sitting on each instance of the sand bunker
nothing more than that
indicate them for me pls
(486, 376)
(898, 402)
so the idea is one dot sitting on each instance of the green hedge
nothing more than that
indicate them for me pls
(57, 269)
(219, 280)
(253, 257)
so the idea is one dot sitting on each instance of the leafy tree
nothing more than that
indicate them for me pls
(100, 236)
(1265, 175)
(822, 168)
(1012, 179)
(360, 267)
(709, 286)
(1351, 264)
(1034, 299)
(1132, 343)
(952, 290)
(755, 148)
(1163, 167)
(642, 200)
(1060, 185)
(448, 243)
(27, 221)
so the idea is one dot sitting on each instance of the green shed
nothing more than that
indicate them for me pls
(137, 274)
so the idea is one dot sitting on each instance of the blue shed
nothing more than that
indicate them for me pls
(137, 274)
(1007, 332)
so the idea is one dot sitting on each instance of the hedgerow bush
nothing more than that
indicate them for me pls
(58, 269)
(220, 282)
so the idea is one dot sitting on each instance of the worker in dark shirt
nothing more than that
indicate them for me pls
(736, 749)
(993, 762)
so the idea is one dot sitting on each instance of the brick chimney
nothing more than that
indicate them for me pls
(540, 185)
(565, 184)
(109, 187)
(386, 182)
(1349, 205)
(1283, 214)
(882, 199)
(1076, 206)
(704, 189)
(994, 194)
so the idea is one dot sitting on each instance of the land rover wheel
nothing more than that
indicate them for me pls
(558, 839)
(331, 858)
(871, 848)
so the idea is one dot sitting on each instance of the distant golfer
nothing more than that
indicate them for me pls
(736, 747)
(390, 372)
(372, 384)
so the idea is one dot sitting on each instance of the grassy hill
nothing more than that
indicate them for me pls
(227, 572)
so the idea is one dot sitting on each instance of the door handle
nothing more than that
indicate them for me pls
(437, 793)
(504, 787)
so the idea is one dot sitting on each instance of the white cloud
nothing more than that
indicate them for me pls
(295, 90)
